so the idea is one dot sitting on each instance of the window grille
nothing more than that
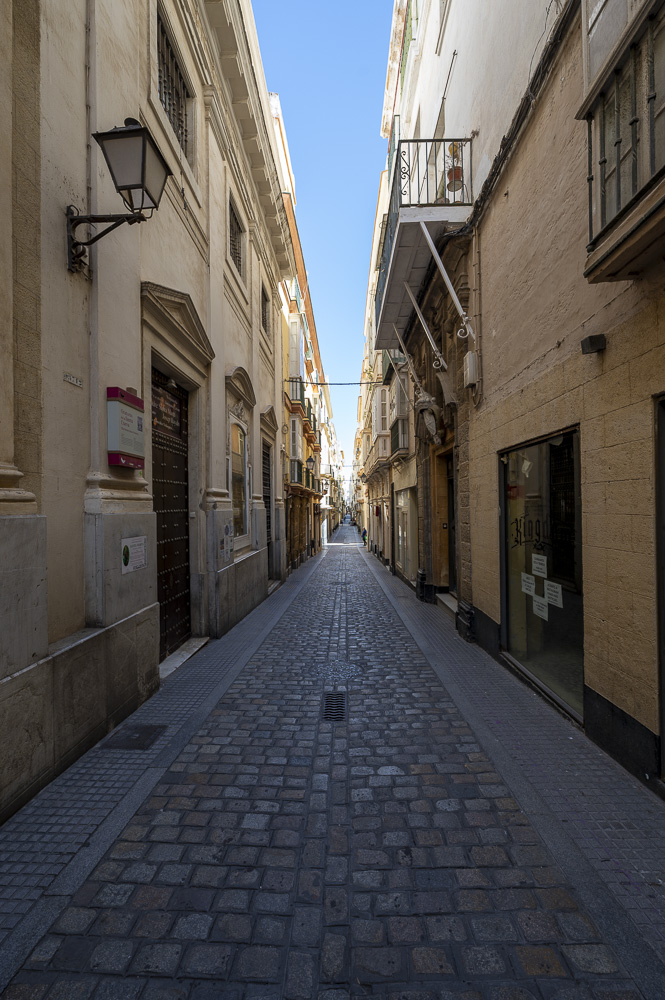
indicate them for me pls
(235, 239)
(173, 91)
(265, 311)
(626, 129)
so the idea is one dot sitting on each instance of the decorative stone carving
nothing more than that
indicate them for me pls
(238, 410)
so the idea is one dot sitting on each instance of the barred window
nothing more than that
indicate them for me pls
(265, 311)
(173, 92)
(235, 238)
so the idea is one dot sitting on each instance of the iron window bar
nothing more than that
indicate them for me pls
(173, 92)
(235, 239)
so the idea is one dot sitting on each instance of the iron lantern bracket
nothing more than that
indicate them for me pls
(76, 248)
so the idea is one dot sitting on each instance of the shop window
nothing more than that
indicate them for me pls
(543, 586)
(239, 480)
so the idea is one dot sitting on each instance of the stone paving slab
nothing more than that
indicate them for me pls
(279, 855)
(601, 819)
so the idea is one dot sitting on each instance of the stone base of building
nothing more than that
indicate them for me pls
(625, 739)
(622, 736)
(58, 707)
(237, 589)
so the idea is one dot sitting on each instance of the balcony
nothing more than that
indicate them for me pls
(296, 393)
(431, 185)
(378, 454)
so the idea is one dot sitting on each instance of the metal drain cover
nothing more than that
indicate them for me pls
(134, 737)
(334, 706)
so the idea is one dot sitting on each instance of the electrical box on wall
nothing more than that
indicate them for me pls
(470, 369)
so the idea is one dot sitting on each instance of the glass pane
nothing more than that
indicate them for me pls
(659, 136)
(544, 567)
(124, 156)
(238, 480)
(155, 177)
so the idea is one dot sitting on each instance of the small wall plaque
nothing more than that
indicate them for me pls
(134, 553)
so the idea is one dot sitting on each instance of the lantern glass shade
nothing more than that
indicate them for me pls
(310, 463)
(138, 169)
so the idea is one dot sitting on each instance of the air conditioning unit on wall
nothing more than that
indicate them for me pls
(470, 369)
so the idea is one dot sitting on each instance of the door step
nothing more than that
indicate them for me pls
(448, 603)
(181, 655)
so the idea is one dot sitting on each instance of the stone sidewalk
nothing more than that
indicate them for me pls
(338, 799)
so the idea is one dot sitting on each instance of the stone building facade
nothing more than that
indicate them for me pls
(529, 328)
(106, 568)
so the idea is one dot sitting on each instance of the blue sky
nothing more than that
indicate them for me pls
(327, 61)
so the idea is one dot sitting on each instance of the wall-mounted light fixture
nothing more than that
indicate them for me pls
(139, 173)
(310, 464)
(594, 344)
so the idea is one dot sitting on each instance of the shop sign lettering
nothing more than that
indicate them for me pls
(525, 530)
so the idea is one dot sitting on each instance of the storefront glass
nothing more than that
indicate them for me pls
(544, 564)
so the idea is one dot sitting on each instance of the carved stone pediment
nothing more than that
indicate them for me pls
(239, 384)
(173, 315)
(269, 423)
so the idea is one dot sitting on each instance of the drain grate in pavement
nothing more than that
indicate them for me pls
(334, 706)
(134, 737)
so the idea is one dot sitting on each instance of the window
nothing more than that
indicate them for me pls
(236, 234)
(626, 128)
(239, 479)
(399, 436)
(296, 439)
(173, 92)
(265, 311)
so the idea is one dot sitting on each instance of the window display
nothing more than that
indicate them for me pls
(544, 628)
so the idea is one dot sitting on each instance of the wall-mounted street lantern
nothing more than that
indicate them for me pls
(139, 173)
(310, 463)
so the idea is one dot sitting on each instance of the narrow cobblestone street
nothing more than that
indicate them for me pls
(431, 842)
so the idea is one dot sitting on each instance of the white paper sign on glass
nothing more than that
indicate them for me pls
(553, 594)
(540, 607)
(528, 584)
(134, 553)
(538, 565)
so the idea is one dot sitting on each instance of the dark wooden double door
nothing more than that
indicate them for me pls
(171, 502)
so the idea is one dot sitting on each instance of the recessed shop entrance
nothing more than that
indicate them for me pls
(170, 497)
(542, 613)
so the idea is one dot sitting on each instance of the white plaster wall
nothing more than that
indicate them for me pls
(485, 85)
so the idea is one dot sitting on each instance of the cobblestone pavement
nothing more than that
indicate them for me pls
(412, 848)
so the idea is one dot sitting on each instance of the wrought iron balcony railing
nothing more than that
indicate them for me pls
(427, 172)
